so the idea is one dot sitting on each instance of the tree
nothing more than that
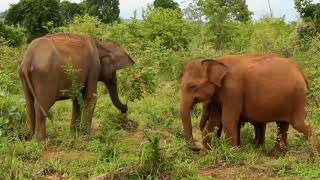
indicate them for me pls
(11, 36)
(170, 33)
(37, 16)
(69, 10)
(193, 11)
(310, 13)
(168, 4)
(106, 10)
(222, 15)
(3, 15)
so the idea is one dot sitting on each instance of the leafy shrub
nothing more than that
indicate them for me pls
(151, 157)
(137, 81)
(12, 36)
(12, 117)
(9, 77)
(87, 25)
(167, 26)
(273, 36)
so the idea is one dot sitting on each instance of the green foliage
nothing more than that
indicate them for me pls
(159, 44)
(221, 153)
(85, 25)
(273, 36)
(106, 10)
(168, 4)
(170, 33)
(140, 80)
(222, 15)
(151, 158)
(12, 117)
(310, 13)
(37, 16)
(69, 10)
(11, 35)
(9, 78)
(76, 91)
(193, 11)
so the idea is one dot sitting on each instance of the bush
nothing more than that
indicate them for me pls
(9, 77)
(86, 25)
(12, 36)
(166, 26)
(12, 117)
(273, 36)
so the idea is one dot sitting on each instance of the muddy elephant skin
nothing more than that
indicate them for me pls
(45, 80)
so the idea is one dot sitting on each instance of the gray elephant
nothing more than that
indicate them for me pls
(45, 80)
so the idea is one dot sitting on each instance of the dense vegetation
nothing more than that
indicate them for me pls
(150, 144)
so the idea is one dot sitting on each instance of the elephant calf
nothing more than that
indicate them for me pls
(212, 118)
(45, 81)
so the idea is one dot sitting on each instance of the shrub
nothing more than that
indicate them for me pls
(166, 26)
(12, 36)
(273, 36)
(12, 117)
(87, 25)
(9, 78)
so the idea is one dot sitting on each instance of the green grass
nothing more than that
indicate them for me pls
(154, 149)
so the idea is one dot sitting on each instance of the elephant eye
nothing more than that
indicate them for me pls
(192, 87)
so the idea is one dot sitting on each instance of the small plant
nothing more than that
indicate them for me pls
(76, 91)
(12, 117)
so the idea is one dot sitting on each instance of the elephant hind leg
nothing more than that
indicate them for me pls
(297, 122)
(46, 97)
(260, 130)
(299, 114)
(40, 130)
(281, 146)
(303, 128)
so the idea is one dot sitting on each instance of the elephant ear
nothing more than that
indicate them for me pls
(215, 71)
(117, 57)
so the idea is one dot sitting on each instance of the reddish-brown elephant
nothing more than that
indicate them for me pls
(44, 78)
(262, 88)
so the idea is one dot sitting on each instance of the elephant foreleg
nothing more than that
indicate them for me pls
(90, 100)
(230, 122)
(76, 114)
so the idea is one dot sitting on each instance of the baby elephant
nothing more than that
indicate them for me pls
(212, 118)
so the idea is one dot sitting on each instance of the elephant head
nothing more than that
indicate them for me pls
(113, 58)
(200, 80)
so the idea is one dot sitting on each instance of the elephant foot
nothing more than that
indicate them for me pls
(40, 137)
(194, 147)
(278, 152)
(203, 152)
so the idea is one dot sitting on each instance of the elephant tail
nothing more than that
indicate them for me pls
(305, 80)
(24, 71)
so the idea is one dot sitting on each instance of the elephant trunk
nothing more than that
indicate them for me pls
(113, 91)
(185, 110)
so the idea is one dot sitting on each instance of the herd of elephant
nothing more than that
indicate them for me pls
(255, 88)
